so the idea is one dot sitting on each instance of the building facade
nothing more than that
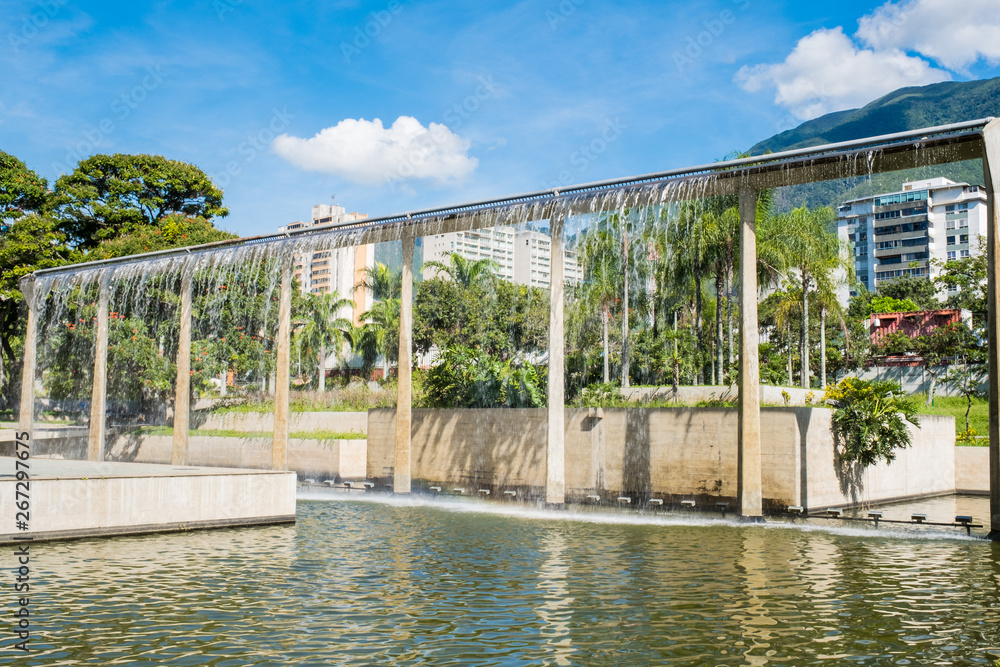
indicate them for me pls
(338, 270)
(898, 234)
(522, 256)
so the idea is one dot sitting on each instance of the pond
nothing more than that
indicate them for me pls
(460, 582)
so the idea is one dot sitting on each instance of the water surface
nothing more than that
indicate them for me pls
(423, 583)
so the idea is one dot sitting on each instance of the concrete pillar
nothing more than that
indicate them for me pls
(404, 391)
(27, 412)
(99, 396)
(282, 382)
(182, 387)
(555, 462)
(748, 491)
(991, 169)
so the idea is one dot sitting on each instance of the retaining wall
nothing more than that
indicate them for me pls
(318, 459)
(670, 453)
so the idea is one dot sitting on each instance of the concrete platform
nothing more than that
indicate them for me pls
(75, 499)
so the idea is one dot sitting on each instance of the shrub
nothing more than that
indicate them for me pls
(869, 422)
(468, 378)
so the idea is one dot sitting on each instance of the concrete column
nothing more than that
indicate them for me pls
(27, 412)
(182, 387)
(555, 463)
(991, 169)
(404, 391)
(282, 382)
(749, 495)
(99, 396)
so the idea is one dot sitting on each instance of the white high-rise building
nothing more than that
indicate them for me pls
(337, 270)
(899, 233)
(522, 256)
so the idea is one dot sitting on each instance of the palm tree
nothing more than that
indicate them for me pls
(381, 332)
(687, 240)
(322, 327)
(814, 255)
(466, 272)
(602, 273)
(382, 282)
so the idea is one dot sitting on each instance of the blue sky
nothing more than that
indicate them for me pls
(278, 102)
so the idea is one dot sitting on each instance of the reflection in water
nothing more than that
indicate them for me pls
(366, 583)
(752, 615)
(556, 608)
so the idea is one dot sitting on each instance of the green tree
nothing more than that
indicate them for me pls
(107, 196)
(29, 243)
(965, 279)
(601, 260)
(22, 191)
(172, 231)
(815, 255)
(381, 282)
(920, 291)
(381, 333)
(888, 304)
(466, 272)
(869, 420)
(967, 381)
(321, 327)
(467, 378)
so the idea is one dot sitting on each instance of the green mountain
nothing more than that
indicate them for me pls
(904, 109)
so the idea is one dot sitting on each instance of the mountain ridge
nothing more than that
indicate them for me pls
(910, 108)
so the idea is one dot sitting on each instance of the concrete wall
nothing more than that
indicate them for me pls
(914, 379)
(925, 468)
(768, 394)
(972, 470)
(670, 453)
(123, 502)
(263, 422)
(317, 459)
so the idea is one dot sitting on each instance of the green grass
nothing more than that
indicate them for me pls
(226, 433)
(954, 406)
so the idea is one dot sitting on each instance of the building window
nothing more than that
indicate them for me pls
(964, 253)
(964, 238)
(951, 240)
(951, 254)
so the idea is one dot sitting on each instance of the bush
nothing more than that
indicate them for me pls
(467, 378)
(869, 420)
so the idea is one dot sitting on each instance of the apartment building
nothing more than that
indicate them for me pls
(522, 256)
(338, 270)
(899, 233)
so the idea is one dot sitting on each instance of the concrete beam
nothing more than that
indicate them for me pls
(27, 412)
(555, 457)
(99, 395)
(402, 473)
(182, 387)
(282, 374)
(991, 170)
(749, 492)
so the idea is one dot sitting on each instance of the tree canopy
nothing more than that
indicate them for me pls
(107, 196)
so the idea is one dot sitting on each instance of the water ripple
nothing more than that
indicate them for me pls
(362, 583)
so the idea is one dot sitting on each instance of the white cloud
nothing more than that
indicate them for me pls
(955, 35)
(826, 71)
(366, 152)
